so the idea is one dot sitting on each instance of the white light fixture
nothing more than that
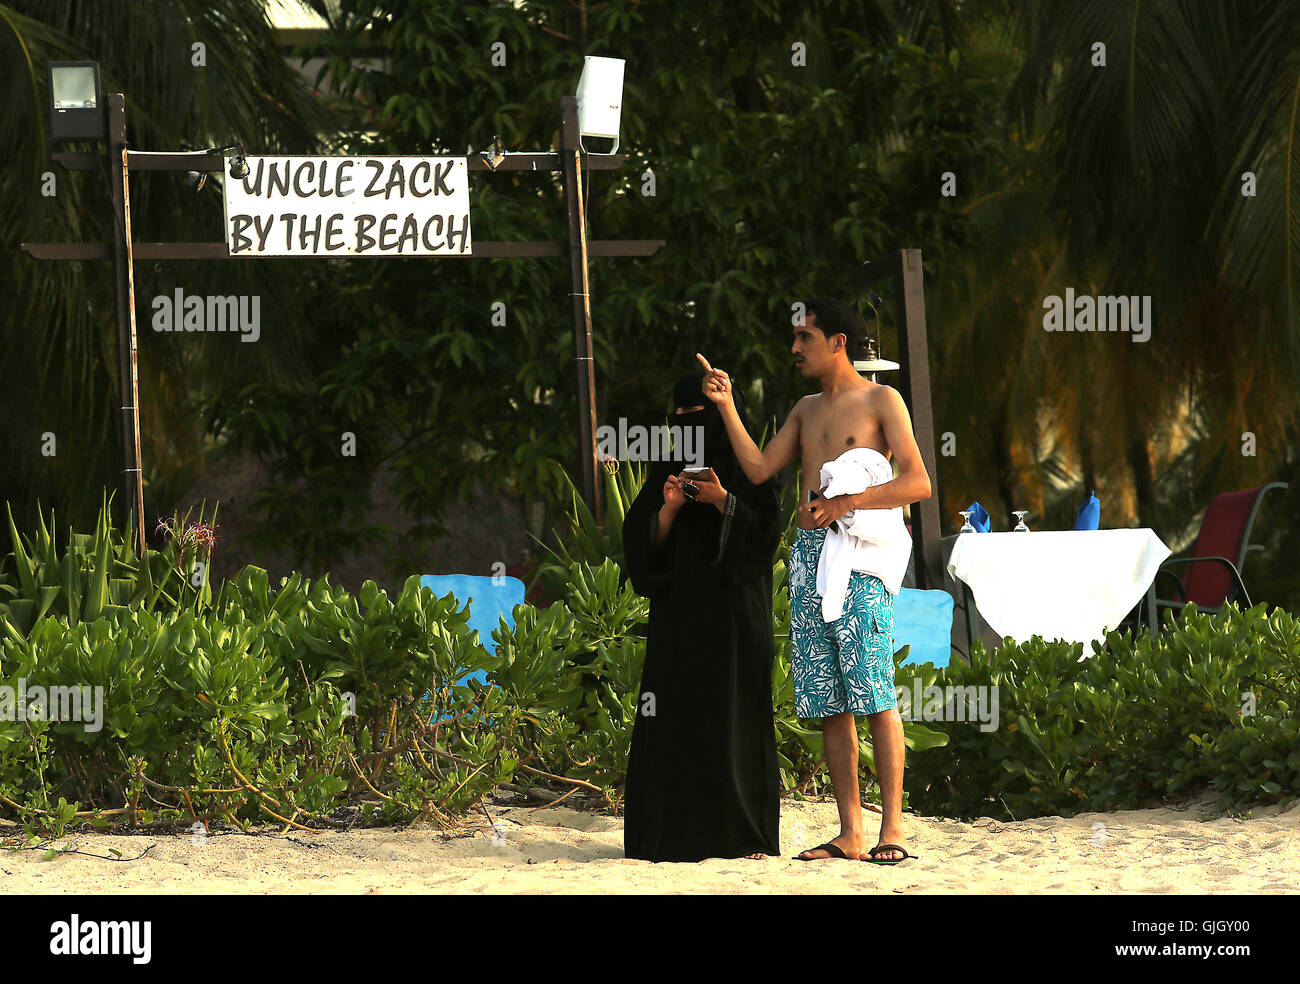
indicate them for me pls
(600, 99)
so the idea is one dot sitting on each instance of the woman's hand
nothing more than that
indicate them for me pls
(674, 497)
(711, 490)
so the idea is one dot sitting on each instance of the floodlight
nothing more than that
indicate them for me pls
(600, 99)
(76, 106)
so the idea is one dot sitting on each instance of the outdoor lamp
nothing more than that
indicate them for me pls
(238, 166)
(75, 101)
(866, 357)
(494, 155)
(600, 99)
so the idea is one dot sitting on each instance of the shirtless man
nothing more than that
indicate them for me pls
(840, 673)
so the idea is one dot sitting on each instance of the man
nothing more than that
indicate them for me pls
(845, 667)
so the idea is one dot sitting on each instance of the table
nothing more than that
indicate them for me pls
(1074, 585)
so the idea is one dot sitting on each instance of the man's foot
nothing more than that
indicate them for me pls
(842, 847)
(891, 838)
(886, 853)
(756, 857)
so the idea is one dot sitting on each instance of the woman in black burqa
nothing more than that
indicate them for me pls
(702, 778)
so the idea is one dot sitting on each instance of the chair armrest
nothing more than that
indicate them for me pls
(1222, 560)
(1167, 574)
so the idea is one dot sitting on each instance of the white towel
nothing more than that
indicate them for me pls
(873, 541)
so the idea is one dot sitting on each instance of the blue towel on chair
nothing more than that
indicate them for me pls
(923, 622)
(1089, 514)
(979, 518)
(492, 598)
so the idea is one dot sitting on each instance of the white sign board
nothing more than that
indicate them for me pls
(349, 206)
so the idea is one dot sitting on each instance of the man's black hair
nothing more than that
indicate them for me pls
(834, 317)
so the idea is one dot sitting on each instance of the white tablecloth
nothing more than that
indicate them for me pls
(1059, 584)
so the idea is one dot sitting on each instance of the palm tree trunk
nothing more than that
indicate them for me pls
(1144, 491)
(1004, 467)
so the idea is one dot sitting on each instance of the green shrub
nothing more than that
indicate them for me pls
(574, 671)
(306, 705)
(1208, 705)
(96, 574)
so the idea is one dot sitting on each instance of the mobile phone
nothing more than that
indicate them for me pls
(814, 494)
(696, 474)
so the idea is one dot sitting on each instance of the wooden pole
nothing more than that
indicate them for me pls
(124, 283)
(570, 161)
(915, 361)
(584, 364)
(903, 269)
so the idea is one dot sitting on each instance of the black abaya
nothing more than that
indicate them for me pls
(702, 776)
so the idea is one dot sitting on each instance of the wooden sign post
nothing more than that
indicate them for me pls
(425, 222)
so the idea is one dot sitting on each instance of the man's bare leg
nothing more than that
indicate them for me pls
(840, 737)
(887, 745)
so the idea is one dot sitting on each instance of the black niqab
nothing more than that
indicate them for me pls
(703, 778)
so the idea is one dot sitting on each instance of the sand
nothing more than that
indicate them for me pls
(559, 851)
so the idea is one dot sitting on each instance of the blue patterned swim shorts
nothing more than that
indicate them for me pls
(848, 664)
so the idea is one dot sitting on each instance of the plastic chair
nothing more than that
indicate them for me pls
(923, 620)
(1213, 575)
(493, 598)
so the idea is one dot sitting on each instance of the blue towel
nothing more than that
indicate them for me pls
(493, 598)
(1089, 514)
(979, 518)
(923, 621)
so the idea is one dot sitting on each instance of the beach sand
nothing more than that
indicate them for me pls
(559, 851)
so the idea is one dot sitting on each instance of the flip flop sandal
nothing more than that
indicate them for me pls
(879, 849)
(832, 849)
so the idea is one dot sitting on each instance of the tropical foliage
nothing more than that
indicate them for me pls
(59, 374)
(307, 705)
(1154, 151)
(1211, 705)
(823, 132)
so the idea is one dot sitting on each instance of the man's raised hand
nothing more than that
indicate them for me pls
(716, 384)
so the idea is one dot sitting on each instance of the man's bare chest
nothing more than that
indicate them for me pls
(827, 434)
